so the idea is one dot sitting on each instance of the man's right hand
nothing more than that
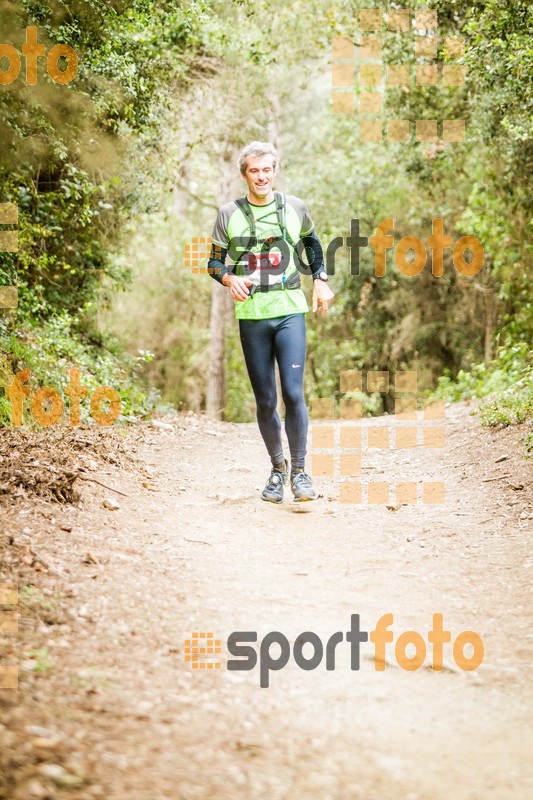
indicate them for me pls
(238, 287)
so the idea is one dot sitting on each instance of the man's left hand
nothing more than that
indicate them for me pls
(322, 296)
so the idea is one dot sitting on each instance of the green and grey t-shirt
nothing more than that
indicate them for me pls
(232, 226)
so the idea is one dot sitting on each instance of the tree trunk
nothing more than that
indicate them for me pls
(216, 382)
(490, 313)
(221, 302)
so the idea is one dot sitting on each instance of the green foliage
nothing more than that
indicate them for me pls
(240, 403)
(51, 350)
(510, 408)
(511, 370)
(445, 326)
(506, 384)
(66, 162)
(166, 93)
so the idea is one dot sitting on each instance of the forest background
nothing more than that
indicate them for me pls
(116, 172)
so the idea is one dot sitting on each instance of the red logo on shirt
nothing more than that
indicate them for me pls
(265, 261)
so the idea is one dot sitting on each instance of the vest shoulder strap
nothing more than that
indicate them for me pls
(281, 209)
(281, 206)
(244, 206)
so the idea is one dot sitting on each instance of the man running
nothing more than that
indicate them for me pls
(265, 234)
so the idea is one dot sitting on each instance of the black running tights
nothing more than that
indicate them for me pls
(281, 339)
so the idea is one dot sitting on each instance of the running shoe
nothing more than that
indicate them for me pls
(273, 491)
(302, 487)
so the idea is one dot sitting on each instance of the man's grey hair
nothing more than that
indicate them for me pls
(256, 150)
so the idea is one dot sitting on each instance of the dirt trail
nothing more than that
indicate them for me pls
(192, 548)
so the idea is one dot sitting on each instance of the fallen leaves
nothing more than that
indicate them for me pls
(47, 463)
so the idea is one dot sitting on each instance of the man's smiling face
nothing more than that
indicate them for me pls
(259, 176)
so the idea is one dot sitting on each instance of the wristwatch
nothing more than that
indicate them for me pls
(321, 276)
